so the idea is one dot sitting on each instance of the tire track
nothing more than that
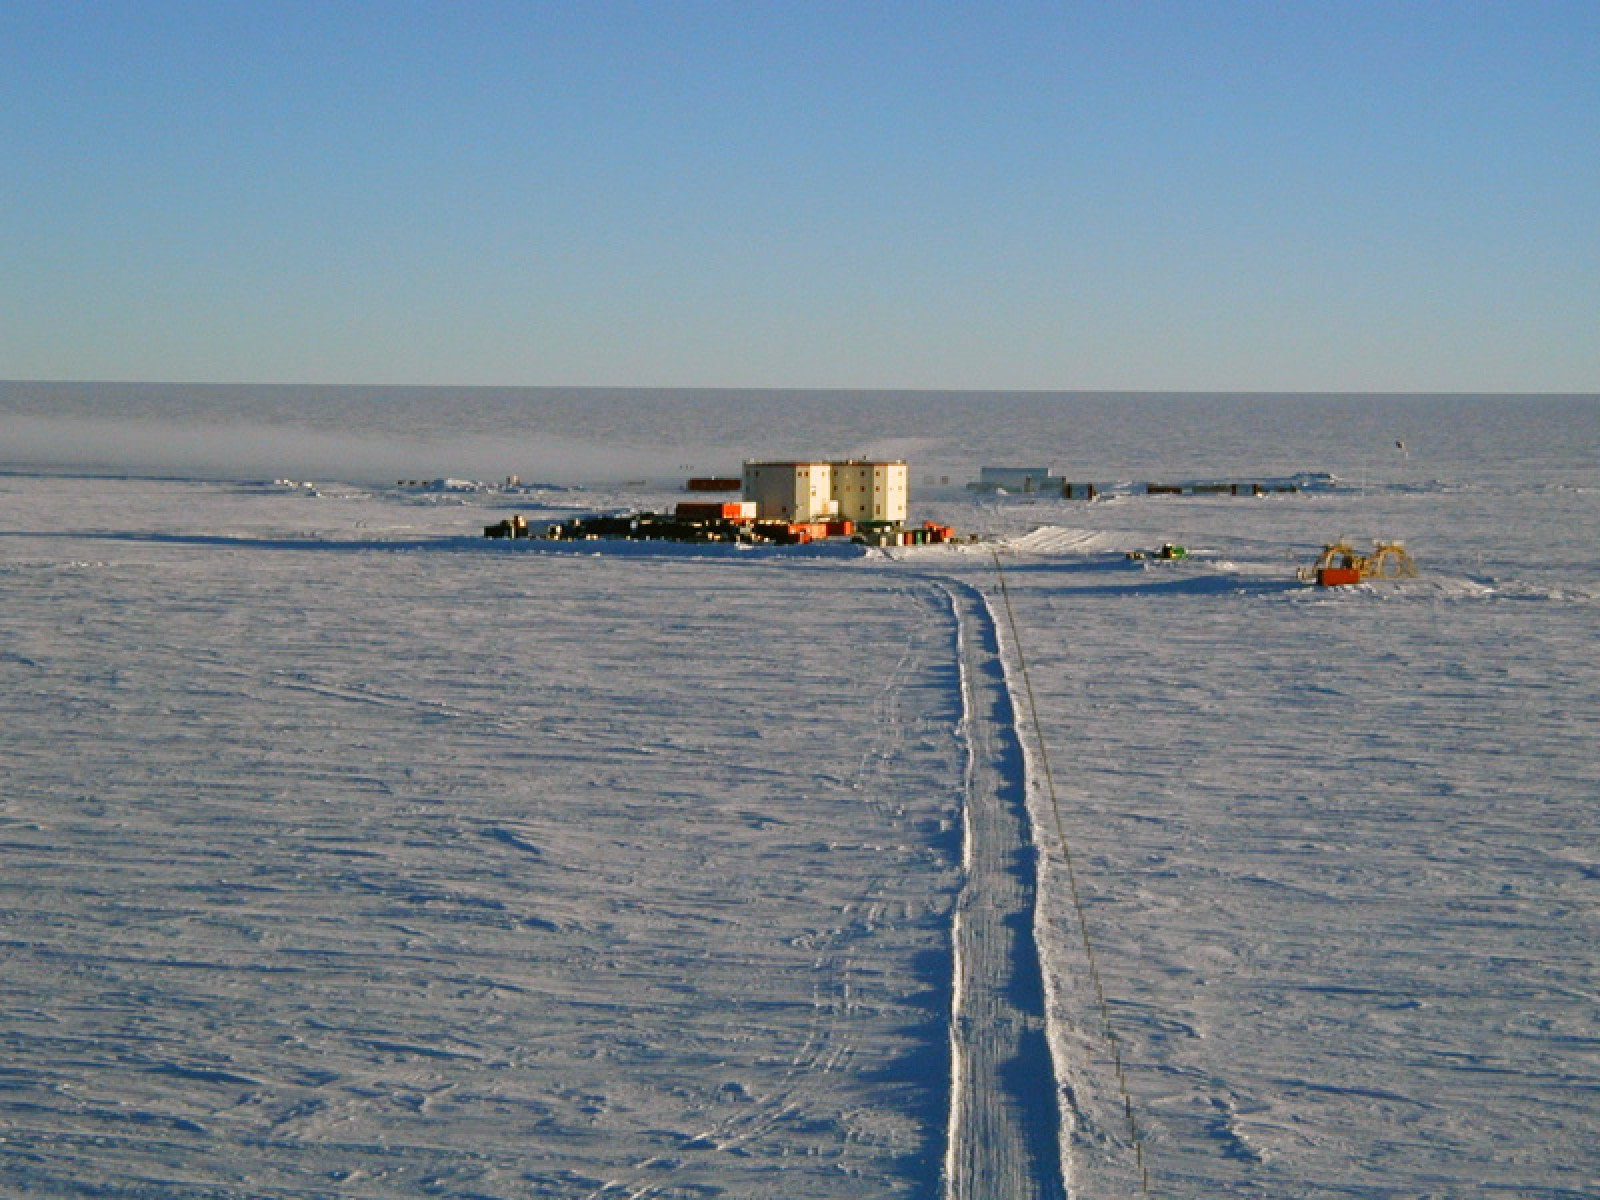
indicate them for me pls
(1004, 1132)
(829, 1046)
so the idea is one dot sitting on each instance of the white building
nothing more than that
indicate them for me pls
(823, 491)
(1017, 479)
(790, 491)
(871, 491)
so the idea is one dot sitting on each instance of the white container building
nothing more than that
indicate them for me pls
(1018, 479)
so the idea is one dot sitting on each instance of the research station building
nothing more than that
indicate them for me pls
(852, 490)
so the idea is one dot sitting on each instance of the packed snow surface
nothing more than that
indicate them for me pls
(349, 854)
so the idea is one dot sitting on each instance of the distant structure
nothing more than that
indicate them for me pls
(866, 493)
(784, 504)
(1017, 479)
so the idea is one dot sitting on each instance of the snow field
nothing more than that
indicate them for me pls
(349, 855)
(335, 870)
(1338, 860)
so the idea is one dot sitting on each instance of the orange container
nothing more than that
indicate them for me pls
(1337, 576)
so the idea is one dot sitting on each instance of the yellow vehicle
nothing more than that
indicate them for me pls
(1341, 565)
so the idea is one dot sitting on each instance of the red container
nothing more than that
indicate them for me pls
(712, 510)
(1337, 576)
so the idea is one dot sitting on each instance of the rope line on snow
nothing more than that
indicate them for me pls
(1107, 1030)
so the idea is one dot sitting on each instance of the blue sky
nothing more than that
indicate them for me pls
(1145, 196)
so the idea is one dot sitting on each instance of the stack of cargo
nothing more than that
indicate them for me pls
(930, 534)
(712, 510)
(511, 527)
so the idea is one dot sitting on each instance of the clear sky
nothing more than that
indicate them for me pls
(1214, 195)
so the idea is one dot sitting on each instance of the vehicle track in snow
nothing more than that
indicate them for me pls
(1004, 1131)
(845, 949)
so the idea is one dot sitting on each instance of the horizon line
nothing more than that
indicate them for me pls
(799, 388)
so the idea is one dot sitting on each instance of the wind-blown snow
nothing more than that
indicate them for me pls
(349, 854)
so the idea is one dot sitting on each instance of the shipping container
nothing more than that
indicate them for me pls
(714, 510)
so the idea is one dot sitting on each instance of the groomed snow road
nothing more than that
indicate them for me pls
(1004, 1125)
